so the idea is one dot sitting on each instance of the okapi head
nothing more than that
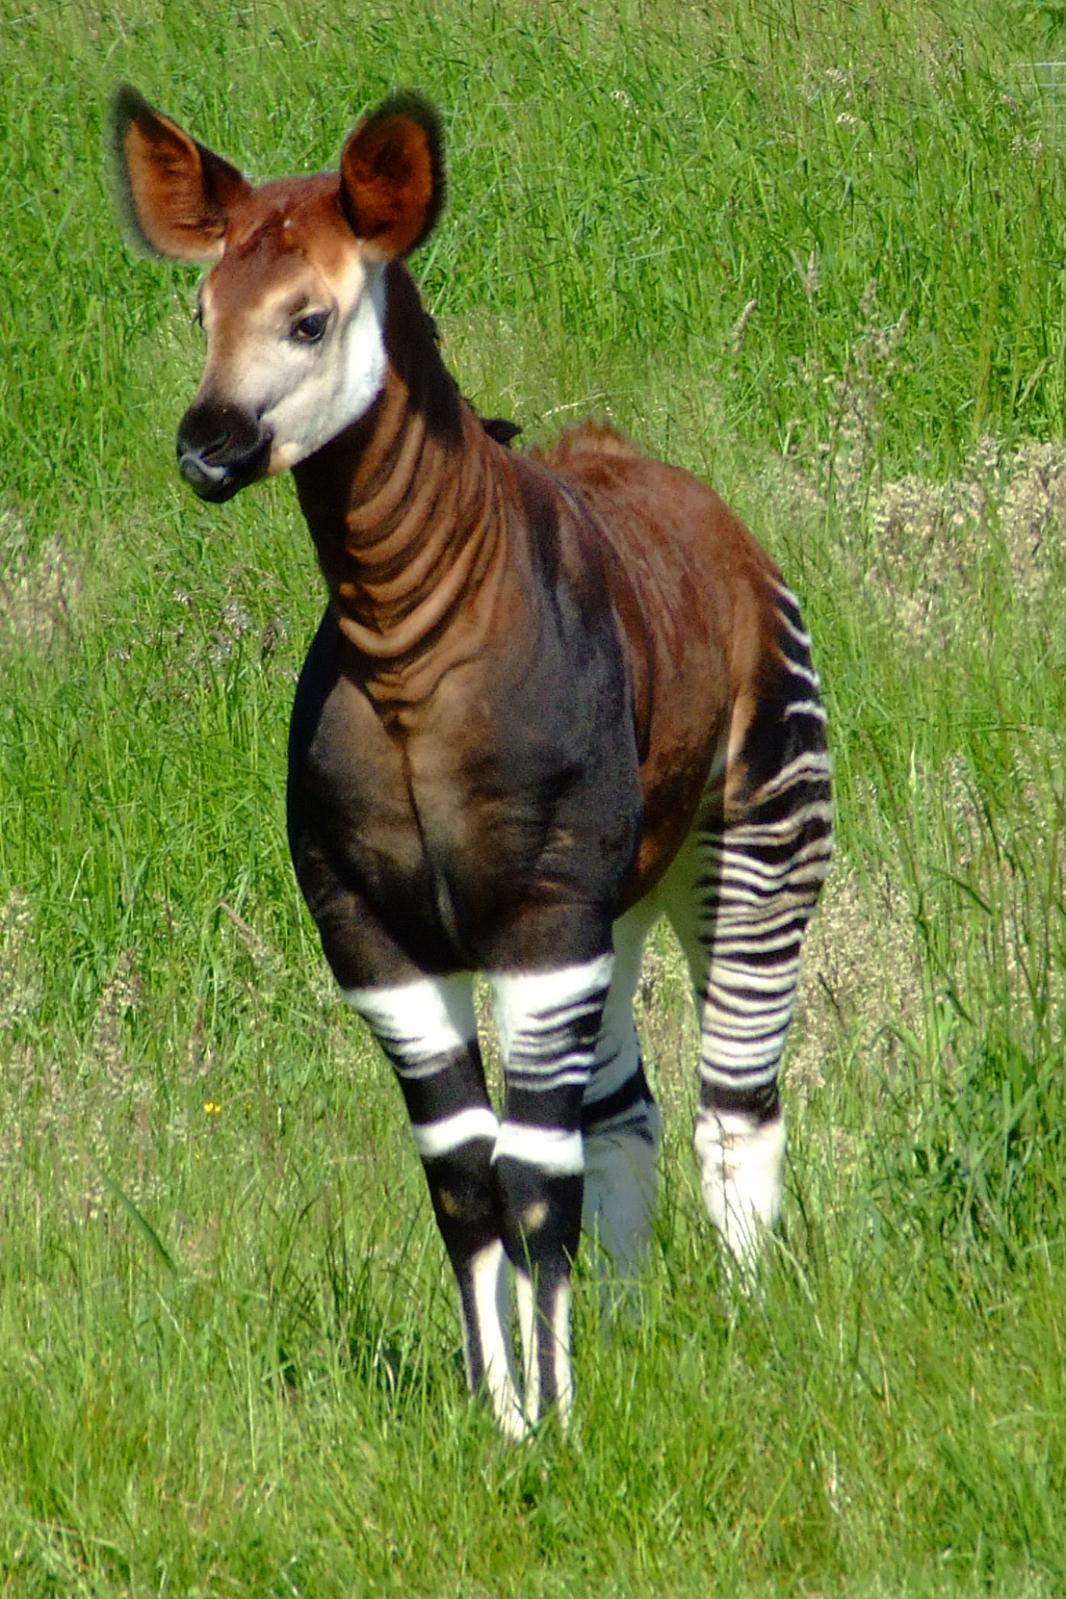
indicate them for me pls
(293, 307)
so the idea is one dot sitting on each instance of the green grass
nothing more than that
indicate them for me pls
(228, 1347)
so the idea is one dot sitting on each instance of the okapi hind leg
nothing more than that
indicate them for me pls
(428, 1031)
(754, 875)
(620, 1119)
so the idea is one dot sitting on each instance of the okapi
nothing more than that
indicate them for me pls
(553, 696)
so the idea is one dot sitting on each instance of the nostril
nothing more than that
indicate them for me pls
(215, 431)
(215, 446)
(205, 448)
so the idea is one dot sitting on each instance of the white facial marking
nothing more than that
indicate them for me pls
(322, 388)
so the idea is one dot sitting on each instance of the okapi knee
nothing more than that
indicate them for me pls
(463, 1191)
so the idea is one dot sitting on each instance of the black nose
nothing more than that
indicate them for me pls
(221, 448)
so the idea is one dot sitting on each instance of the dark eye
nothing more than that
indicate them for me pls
(310, 328)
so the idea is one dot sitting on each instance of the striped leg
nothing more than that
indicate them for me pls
(620, 1118)
(758, 891)
(428, 1032)
(754, 884)
(549, 1023)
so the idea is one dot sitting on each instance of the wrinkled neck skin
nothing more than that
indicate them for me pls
(405, 514)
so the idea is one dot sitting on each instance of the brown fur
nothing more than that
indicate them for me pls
(584, 438)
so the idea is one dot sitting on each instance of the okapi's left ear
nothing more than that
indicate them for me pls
(176, 193)
(392, 176)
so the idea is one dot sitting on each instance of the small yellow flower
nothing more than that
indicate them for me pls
(212, 1107)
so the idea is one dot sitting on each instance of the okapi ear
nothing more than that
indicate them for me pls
(176, 194)
(392, 175)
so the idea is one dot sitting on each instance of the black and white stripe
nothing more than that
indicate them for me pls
(507, 1191)
(549, 1025)
(428, 1031)
(758, 873)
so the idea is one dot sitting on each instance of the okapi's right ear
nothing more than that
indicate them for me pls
(176, 194)
(392, 176)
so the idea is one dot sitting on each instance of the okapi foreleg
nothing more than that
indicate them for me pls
(428, 1031)
(549, 1023)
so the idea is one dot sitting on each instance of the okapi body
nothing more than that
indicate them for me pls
(551, 698)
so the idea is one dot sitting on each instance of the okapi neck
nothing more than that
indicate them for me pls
(401, 505)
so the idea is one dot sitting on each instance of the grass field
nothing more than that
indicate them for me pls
(815, 252)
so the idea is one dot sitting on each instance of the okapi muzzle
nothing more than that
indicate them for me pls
(221, 448)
